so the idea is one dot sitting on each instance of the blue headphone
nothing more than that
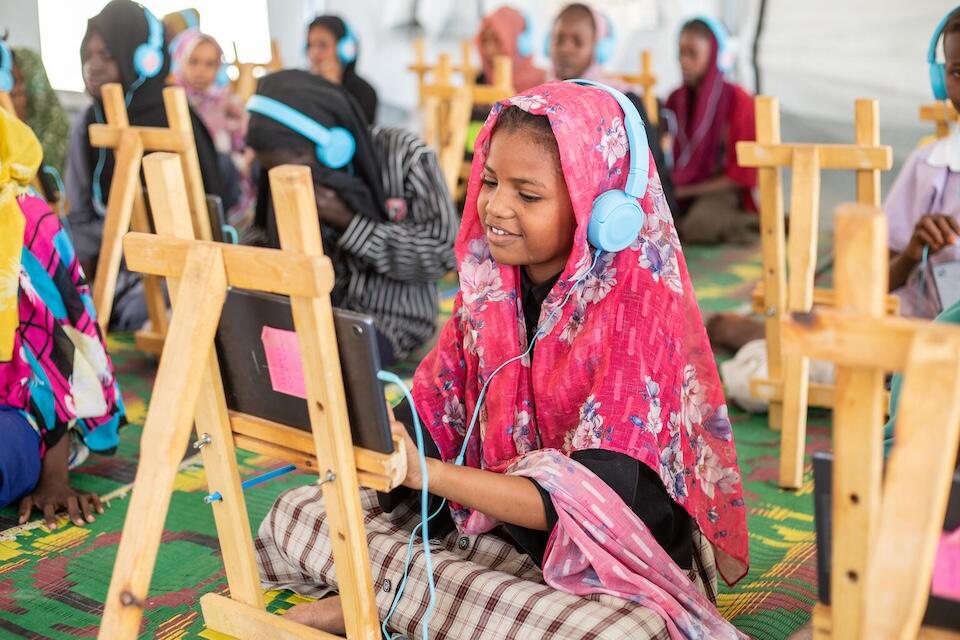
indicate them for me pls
(148, 57)
(938, 76)
(347, 45)
(607, 45)
(604, 49)
(335, 145)
(723, 41)
(616, 217)
(525, 38)
(6, 68)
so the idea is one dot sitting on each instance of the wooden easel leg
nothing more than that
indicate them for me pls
(916, 489)
(292, 189)
(861, 285)
(165, 435)
(165, 181)
(802, 259)
(773, 240)
(150, 341)
(126, 182)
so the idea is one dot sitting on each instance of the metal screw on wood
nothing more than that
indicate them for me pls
(330, 477)
(771, 311)
(127, 599)
(202, 441)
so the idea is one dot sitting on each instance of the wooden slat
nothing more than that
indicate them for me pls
(771, 390)
(178, 118)
(821, 298)
(153, 138)
(834, 335)
(920, 464)
(295, 204)
(123, 188)
(867, 125)
(165, 436)
(274, 270)
(773, 244)
(170, 210)
(858, 415)
(832, 156)
(387, 465)
(244, 622)
(801, 264)
(152, 285)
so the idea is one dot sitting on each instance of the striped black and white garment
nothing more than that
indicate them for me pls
(390, 269)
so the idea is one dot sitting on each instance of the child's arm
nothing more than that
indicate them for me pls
(935, 231)
(511, 499)
(54, 493)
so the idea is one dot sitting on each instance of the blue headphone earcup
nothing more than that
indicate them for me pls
(604, 51)
(338, 150)
(525, 44)
(147, 60)
(6, 80)
(615, 221)
(347, 48)
(547, 44)
(938, 80)
(222, 78)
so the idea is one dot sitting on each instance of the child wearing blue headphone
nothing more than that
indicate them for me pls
(710, 114)
(923, 206)
(124, 44)
(572, 416)
(332, 52)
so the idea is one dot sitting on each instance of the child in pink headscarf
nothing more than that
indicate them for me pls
(499, 34)
(198, 67)
(599, 491)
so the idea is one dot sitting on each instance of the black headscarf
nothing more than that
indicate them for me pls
(359, 184)
(356, 86)
(123, 26)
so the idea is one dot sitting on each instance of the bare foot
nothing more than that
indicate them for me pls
(732, 331)
(326, 615)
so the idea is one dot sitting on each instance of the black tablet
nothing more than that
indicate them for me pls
(260, 366)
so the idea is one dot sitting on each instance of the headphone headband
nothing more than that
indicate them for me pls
(335, 146)
(636, 139)
(6, 67)
(932, 51)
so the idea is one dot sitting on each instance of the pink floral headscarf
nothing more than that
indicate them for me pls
(624, 366)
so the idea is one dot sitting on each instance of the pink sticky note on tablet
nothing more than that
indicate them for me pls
(283, 361)
(946, 567)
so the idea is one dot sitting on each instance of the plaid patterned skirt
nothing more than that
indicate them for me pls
(485, 588)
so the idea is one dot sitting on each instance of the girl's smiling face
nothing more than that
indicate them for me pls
(524, 205)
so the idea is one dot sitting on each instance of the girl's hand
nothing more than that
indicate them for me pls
(51, 497)
(413, 479)
(934, 230)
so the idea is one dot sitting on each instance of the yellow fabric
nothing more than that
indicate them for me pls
(20, 157)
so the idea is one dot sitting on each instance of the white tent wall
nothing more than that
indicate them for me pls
(818, 56)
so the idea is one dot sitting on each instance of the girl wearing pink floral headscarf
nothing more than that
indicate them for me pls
(599, 490)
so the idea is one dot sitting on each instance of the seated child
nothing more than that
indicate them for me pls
(332, 52)
(37, 104)
(198, 67)
(107, 55)
(501, 33)
(923, 206)
(608, 441)
(58, 394)
(387, 220)
(712, 115)
(575, 49)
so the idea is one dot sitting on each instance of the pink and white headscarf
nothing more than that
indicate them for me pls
(624, 366)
